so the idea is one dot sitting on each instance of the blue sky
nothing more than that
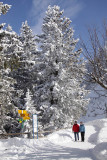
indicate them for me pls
(81, 12)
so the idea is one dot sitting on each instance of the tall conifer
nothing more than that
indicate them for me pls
(61, 95)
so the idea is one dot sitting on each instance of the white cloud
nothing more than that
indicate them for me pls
(39, 7)
(73, 10)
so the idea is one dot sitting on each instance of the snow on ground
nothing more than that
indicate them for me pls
(59, 145)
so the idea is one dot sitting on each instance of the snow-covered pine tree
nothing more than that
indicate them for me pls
(3, 83)
(6, 92)
(30, 108)
(12, 49)
(29, 44)
(7, 108)
(61, 96)
(10, 61)
(25, 75)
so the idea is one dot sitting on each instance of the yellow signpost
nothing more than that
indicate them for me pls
(24, 114)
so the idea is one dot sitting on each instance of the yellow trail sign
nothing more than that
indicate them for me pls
(24, 114)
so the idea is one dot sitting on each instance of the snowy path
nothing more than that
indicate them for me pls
(59, 145)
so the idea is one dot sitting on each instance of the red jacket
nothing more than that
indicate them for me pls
(75, 128)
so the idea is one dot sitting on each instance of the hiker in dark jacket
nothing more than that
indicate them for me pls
(75, 129)
(82, 130)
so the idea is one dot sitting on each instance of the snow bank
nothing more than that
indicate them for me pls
(102, 137)
(100, 151)
(61, 137)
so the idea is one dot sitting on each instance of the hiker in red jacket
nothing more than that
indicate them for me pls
(75, 129)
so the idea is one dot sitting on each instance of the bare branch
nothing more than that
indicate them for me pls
(96, 56)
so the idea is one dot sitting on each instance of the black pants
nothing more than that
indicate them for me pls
(82, 136)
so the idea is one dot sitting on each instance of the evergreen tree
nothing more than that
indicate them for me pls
(25, 75)
(29, 44)
(30, 108)
(7, 108)
(61, 96)
(9, 61)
